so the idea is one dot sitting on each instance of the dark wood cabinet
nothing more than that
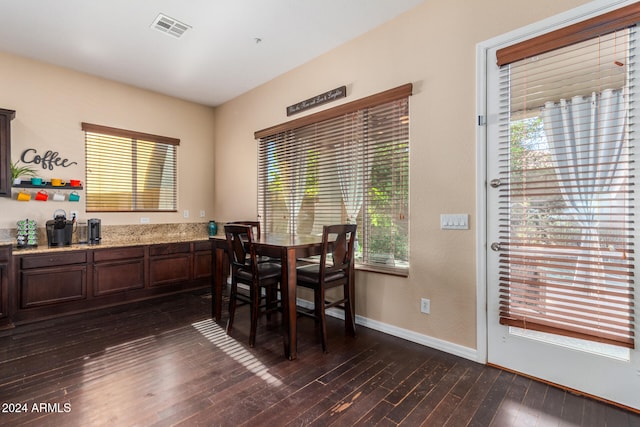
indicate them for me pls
(169, 263)
(118, 270)
(202, 260)
(5, 151)
(5, 258)
(54, 283)
(52, 279)
(45, 286)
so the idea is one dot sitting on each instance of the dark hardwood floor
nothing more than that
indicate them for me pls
(166, 363)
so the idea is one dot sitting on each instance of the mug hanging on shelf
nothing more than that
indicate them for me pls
(74, 196)
(24, 196)
(42, 195)
(59, 197)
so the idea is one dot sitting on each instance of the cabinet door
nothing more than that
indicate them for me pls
(169, 263)
(118, 276)
(118, 270)
(5, 258)
(169, 269)
(5, 151)
(44, 286)
(202, 264)
(4, 288)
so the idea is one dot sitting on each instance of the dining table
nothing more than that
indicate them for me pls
(288, 248)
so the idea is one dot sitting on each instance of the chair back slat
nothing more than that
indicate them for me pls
(239, 239)
(337, 241)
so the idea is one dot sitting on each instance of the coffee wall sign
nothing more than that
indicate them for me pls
(48, 160)
(317, 100)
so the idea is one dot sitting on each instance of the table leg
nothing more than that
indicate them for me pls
(350, 321)
(218, 283)
(288, 289)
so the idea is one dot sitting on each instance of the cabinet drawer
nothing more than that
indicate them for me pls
(53, 259)
(118, 254)
(171, 248)
(202, 246)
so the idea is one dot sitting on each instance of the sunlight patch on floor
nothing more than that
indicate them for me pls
(217, 335)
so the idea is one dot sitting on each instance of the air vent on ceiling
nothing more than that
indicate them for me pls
(170, 26)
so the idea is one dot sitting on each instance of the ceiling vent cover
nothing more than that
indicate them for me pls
(170, 26)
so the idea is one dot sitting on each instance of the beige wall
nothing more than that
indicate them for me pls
(50, 104)
(434, 47)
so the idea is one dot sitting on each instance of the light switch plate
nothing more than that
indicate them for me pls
(454, 221)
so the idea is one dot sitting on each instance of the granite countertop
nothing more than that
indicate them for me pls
(122, 236)
(107, 244)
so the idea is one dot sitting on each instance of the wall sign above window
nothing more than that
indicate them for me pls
(317, 100)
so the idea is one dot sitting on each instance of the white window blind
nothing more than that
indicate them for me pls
(352, 167)
(129, 171)
(567, 190)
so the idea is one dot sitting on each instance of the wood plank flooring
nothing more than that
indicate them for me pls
(164, 363)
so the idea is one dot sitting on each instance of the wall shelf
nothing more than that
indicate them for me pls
(48, 185)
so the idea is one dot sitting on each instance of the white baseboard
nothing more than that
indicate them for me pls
(447, 347)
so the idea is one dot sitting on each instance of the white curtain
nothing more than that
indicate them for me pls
(353, 167)
(295, 168)
(585, 137)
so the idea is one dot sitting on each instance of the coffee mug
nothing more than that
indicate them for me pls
(24, 196)
(42, 195)
(75, 182)
(36, 181)
(74, 196)
(57, 182)
(58, 197)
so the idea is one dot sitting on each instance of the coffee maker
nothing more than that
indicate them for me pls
(94, 232)
(59, 229)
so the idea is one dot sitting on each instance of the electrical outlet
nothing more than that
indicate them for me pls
(425, 305)
(74, 214)
(185, 213)
(144, 220)
(202, 214)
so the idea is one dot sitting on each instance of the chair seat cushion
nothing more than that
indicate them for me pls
(266, 270)
(311, 274)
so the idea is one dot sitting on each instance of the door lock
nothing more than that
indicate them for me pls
(495, 246)
(495, 183)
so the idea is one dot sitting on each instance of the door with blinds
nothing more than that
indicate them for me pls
(562, 212)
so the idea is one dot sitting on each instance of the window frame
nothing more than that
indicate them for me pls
(361, 106)
(132, 137)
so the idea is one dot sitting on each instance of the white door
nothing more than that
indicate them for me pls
(543, 247)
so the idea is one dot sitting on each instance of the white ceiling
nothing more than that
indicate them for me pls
(213, 62)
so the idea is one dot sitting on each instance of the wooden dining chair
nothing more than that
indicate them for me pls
(255, 226)
(258, 277)
(334, 270)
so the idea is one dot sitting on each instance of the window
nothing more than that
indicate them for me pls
(129, 171)
(349, 164)
(567, 208)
